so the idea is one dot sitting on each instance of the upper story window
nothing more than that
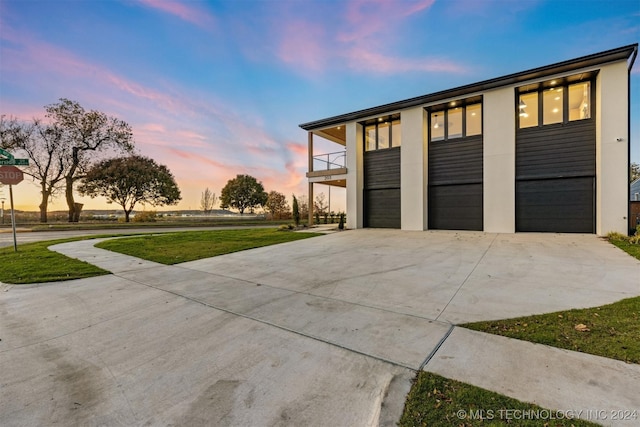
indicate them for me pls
(383, 132)
(456, 119)
(553, 102)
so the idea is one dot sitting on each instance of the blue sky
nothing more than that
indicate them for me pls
(217, 88)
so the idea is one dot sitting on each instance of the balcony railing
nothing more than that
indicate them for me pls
(325, 162)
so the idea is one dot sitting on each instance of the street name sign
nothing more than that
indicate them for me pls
(7, 158)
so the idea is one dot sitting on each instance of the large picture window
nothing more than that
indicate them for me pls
(457, 121)
(382, 133)
(561, 103)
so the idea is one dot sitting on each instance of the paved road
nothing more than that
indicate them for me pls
(324, 331)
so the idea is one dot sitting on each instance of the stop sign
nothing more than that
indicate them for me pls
(10, 175)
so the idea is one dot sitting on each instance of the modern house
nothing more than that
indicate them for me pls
(544, 150)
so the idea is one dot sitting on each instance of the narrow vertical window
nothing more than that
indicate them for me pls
(455, 123)
(437, 126)
(528, 110)
(552, 106)
(580, 101)
(383, 135)
(396, 134)
(370, 137)
(474, 119)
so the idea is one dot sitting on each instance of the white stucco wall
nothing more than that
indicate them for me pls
(499, 161)
(413, 170)
(355, 175)
(612, 155)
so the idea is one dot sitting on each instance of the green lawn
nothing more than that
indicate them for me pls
(34, 263)
(174, 248)
(631, 249)
(613, 330)
(437, 401)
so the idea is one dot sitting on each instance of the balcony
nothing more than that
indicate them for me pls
(328, 167)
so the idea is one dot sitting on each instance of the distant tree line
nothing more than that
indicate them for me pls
(75, 146)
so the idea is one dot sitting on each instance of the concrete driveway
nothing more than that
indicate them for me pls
(324, 331)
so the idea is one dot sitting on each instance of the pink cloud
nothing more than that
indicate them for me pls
(298, 149)
(363, 59)
(368, 30)
(302, 45)
(184, 11)
(368, 17)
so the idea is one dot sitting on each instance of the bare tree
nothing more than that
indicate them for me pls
(48, 151)
(320, 204)
(11, 132)
(303, 206)
(88, 133)
(207, 201)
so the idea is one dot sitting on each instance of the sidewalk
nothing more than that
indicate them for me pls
(595, 388)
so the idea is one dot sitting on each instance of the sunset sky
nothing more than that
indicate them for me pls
(217, 88)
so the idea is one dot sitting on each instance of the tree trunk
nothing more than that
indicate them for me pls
(68, 191)
(126, 215)
(44, 203)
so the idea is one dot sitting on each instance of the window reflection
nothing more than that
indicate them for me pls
(454, 123)
(370, 137)
(383, 135)
(396, 134)
(474, 119)
(552, 106)
(580, 101)
(437, 126)
(528, 110)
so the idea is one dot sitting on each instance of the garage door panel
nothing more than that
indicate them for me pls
(382, 208)
(456, 207)
(556, 205)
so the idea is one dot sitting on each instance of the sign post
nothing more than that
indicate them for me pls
(11, 175)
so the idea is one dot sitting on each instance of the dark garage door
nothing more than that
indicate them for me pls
(555, 178)
(456, 207)
(556, 205)
(455, 184)
(382, 188)
(383, 208)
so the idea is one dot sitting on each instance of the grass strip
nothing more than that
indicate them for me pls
(35, 263)
(611, 330)
(625, 245)
(174, 248)
(437, 401)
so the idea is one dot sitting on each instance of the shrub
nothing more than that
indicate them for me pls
(341, 223)
(296, 211)
(614, 235)
(286, 227)
(145, 216)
